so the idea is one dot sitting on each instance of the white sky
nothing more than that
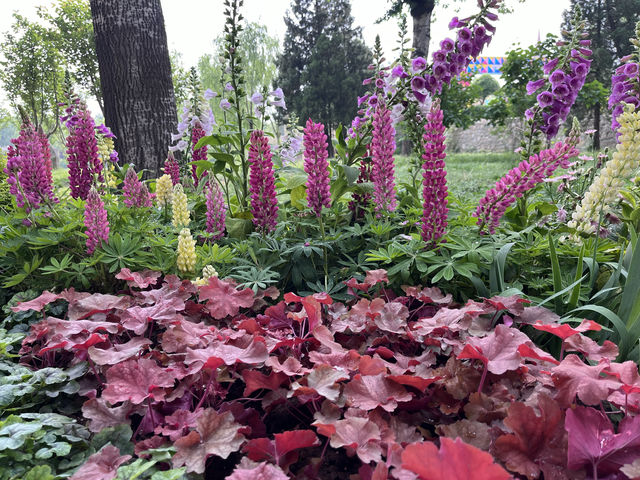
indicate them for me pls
(193, 24)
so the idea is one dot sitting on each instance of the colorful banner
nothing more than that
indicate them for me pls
(491, 65)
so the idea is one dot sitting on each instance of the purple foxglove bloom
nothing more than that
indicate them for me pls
(418, 65)
(373, 101)
(398, 72)
(362, 99)
(135, 193)
(464, 34)
(264, 205)
(383, 147)
(447, 45)
(83, 160)
(631, 70)
(434, 185)
(277, 93)
(96, 222)
(561, 90)
(225, 104)
(216, 210)
(317, 167)
(557, 77)
(257, 98)
(209, 94)
(228, 87)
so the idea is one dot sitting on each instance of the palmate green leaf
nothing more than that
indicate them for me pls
(41, 472)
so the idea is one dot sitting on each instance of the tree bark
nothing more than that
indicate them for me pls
(421, 11)
(596, 126)
(135, 76)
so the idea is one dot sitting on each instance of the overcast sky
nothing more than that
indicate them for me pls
(193, 24)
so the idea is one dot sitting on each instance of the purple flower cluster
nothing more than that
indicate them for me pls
(317, 167)
(197, 153)
(383, 146)
(29, 168)
(625, 88)
(521, 179)
(434, 185)
(135, 193)
(95, 219)
(563, 85)
(85, 166)
(172, 168)
(216, 210)
(264, 204)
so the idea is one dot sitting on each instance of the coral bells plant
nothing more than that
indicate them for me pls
(317, 167)
(29, 168)
(95, 219)
(180, 212)
(134, 192)
(383, 146)
(604, 190)
(434, 185)
(83, 159)
(518, 181)
(216, 210)
(264, 204)
(186, 260)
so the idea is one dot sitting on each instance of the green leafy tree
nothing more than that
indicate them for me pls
(487, 84)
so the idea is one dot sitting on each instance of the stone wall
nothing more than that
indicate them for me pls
(482, 137)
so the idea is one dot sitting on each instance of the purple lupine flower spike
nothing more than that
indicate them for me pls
(172, 168)
(83, 159)
(216, 210)
(134, 192)
(434, 190)
(383, 146)
(95, 219)
(264, 205)
(317, 167)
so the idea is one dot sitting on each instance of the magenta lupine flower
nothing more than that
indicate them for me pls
(95, 219)
(216, 210)
(317, 167)
(29, 168)
(85, 166)
(197, 154)
(434, 185)
(383, 146)
(172, 168)
(135, 193)
(264, 205)
(521, 179)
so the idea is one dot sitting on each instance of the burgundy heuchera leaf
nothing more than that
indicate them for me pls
(224, 299)
(135, 380)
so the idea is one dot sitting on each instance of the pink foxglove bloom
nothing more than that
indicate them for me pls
(29, 168)
(317, 167)
(197, 153)
(135, 193)
(434, 185)
(95, 219)
(520, 180)
(264, 205)
(216, 210)
(83, 159)
(383, 146)
(172, 168)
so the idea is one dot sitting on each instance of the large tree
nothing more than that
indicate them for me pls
(421, 11)
(324, 62)
(135, 73)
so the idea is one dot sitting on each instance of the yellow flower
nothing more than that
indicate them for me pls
(207, 272)
(603, 192)
(164, 190)
(186, 251)
(180, 212)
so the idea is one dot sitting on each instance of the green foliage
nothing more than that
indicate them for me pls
(488, 85)
(6, 199)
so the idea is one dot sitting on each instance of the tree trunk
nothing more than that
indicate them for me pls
(421, 11)
(135, 75)
(596, 126)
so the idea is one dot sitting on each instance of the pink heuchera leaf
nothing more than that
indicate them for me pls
(392, 318)
(498, 350)
(372, 391)
(96, 303)
(572, 377)
(593, 442)
(565, 330)
(455, 460)
(513, 304)
(360, 434)
(102, 416)
(376, 276)
(539, 315)
(248, 470)
(632, 470)
(453, 319)
(138, 279)
(360, 316)
(214, 435)
(137, 318)
(118, 352)
(590, 348)
(428, 294)
(323, 379)
(102, 465)
(135, 380)
(223, 299)
(37, 303)
(255, 353)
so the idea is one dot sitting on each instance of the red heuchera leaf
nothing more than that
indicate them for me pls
(102, 416)
(565, 330)
(175, 424)
(293, 440)
(371, 366)
(374, 391)
(413, 381)
(102, 465)
(223, 299)
(537, 442)
(590, 348)
(37, 303)
(281, 450)
(290, 367)
(498, 350)
(593, 442)
(138, 279)
(513, 304)
(323, 380)
(353, 285)
(214, 435)
(456, 460)
(428, 294)
(255, 380)
(255, 353)
(376, 276)
(118, 352)
(358, 433)
(527, 351)
(135, 380)
(572, 377)
(262, 471)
